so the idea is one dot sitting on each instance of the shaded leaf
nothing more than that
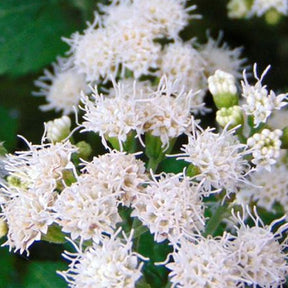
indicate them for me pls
(8, 128)
(43, 275)
(31, 32)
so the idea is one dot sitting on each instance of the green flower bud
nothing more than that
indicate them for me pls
(237, 9)
(223, 88)
(232, 116)
(272, 17)
(84, 150)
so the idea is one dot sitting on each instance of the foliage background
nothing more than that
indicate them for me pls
(30, 40)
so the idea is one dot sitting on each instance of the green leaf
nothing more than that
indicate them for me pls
(31, 33)
(7, 272)
(43, 275)
(8, 128)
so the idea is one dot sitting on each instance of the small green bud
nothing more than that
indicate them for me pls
(237, 9)
(232, 116)
(272, 17)
(84, 150)
(223, 88)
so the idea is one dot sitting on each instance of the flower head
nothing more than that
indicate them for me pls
(112, 263)
(87, 209)
(184, 64)
(170, 206)
(167, 112)
(260, 102)
(61, 89)
(220, 56)
(260, 258)
(265, 147)
(93, 53)
(203, 263)
(42, 166)
(28, 214)
(168, 17)
(121, 173)
(219, 158)
(113, 116)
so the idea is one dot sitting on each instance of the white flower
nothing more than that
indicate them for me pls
(203, 263)
(168, 17)
(221, 82)
(182, 63)
(260, 102)
(260, 258)
(42, 166)
(112, 263)
(87, 209)
(220, 56)
(136, 49)
(61, 89)
(112, 116)
(27, 201)
(260, 7)
(94, 53)
(120, 173)
(117, 12)
(28, 214)
(168, 111)
(58, 129)
(265, 147)
(170, 206)
(269, 187)
(219, 158)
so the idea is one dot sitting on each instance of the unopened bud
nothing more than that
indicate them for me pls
(58, 129)
(237, 9)
(223, 88)
(232, 116)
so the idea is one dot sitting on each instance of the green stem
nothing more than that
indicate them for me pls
(153, 164)
(215, 220)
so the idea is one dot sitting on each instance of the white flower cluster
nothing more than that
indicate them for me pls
(218, 158)
(112, 263)
(91, 197)
(171, 207)
(266, 147)
(88, 208)
(260, 102)
(252, 257)
(125, 39)
(28, 197)
(164, 112)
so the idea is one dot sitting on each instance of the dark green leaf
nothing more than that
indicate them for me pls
(43, 275)
(31, 33)
(8, 128)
